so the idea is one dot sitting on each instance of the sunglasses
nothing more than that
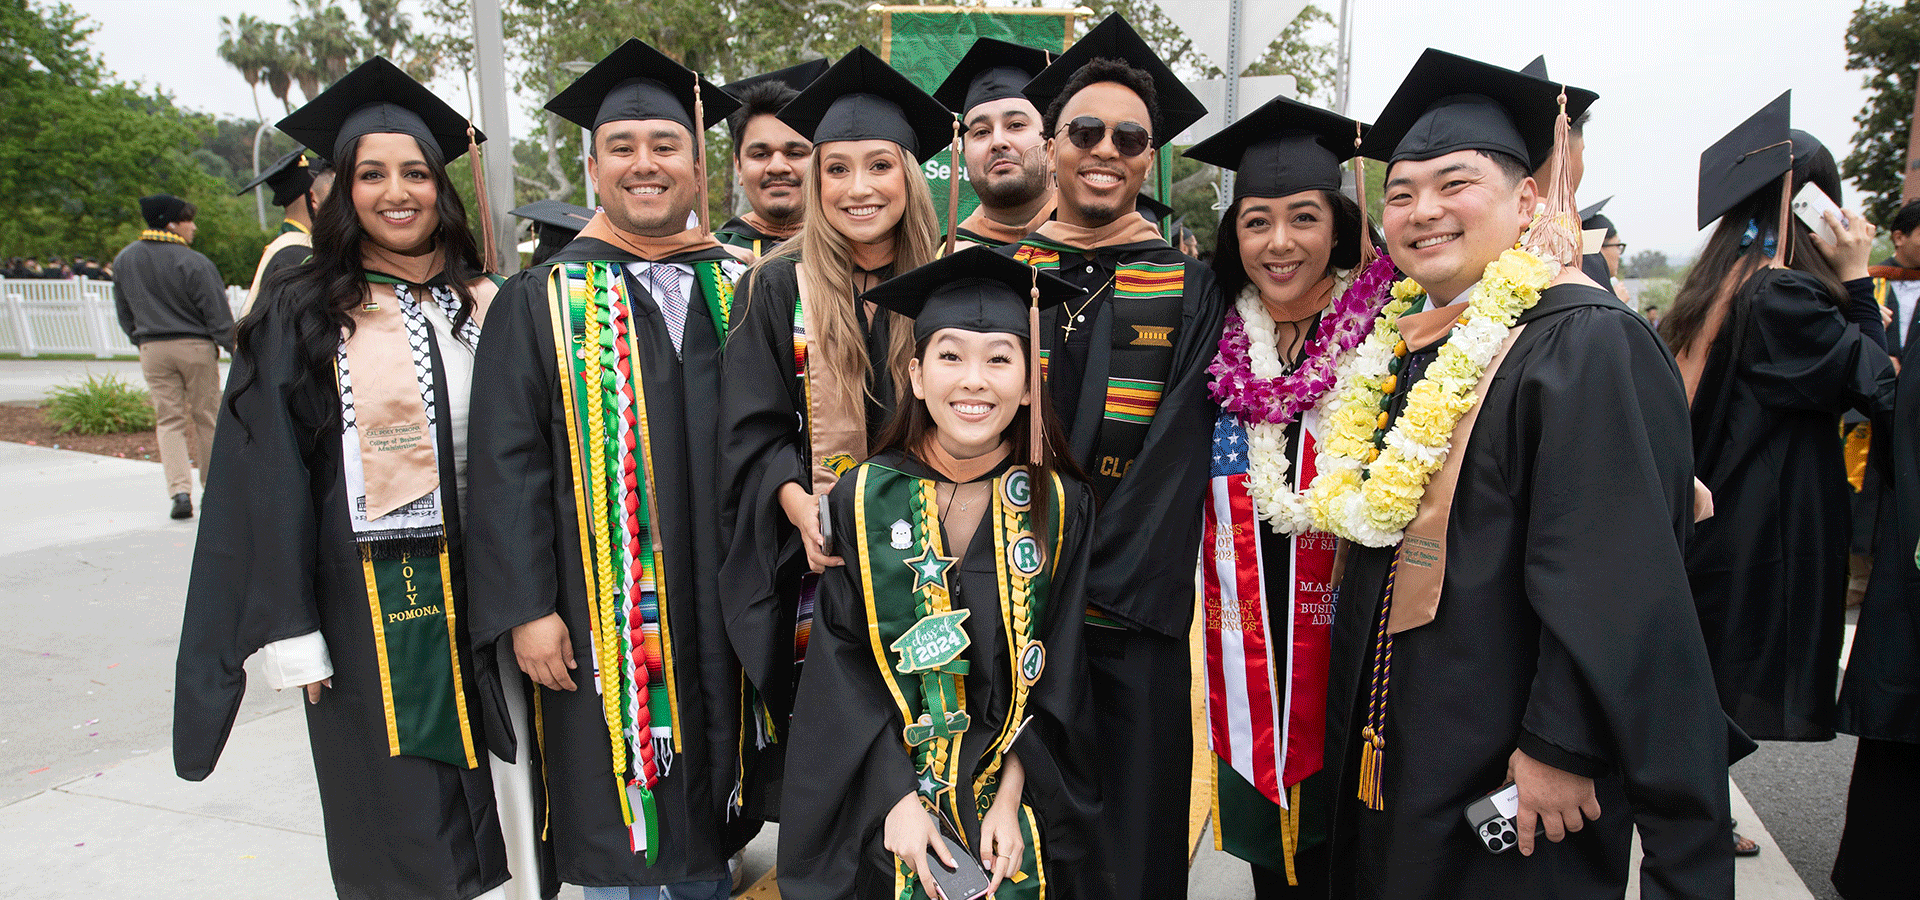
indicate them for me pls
(1129, 139)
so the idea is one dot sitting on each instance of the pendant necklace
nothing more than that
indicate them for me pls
(1067, 327)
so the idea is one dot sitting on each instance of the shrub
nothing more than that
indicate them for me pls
(99, 405)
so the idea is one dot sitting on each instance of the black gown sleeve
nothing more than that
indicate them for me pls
(1623, 681)
(1059, 749)
(762, 451)
(1145, 540)
(845, 763)
(1806, 355)
(254, 561)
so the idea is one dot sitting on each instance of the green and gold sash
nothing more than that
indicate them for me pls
(917, 637)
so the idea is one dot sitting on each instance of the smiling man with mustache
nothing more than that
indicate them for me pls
(770, 159)
(1127, 370)
(1005, 147)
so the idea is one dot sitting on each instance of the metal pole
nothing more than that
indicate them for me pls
(1231, 89)
(490, 64)
(1343, 62)
(259, 193)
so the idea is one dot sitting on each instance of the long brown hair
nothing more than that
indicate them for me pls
(911, 424)
(829, 272)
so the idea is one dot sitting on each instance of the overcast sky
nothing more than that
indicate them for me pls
(1673, 75)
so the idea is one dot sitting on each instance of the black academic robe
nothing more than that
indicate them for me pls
(738, 233)
(764, 446)
(275, 559)
(1769, 569)
(847, 729)
(1145, 542)
(526, 564)
(1565, 629)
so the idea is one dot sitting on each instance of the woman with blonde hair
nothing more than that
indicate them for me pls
(811, 368)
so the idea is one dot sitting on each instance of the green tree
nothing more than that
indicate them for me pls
(1883, 40)
(1646, 264)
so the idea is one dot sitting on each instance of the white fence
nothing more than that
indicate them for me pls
(70, 316)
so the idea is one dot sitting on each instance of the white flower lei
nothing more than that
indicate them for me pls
(1274, 498)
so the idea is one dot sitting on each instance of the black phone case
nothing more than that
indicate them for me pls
(969, 882)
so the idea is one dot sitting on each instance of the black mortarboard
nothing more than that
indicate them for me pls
(1537, 68)
(1114, 38)
(555, 215)
(288, 177)
(975, 289)
(161, 210)
(1282, 148)
(1594, 210)
(796, 77)
(862, 98)
(991, 70)
(1449, 103)
(378, 98)
(637, 82)
(1151, 209)
(1755, 153)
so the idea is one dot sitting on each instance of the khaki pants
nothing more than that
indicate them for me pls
(184, 378)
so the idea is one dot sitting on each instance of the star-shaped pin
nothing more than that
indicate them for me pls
(931, 784)
(930, 570)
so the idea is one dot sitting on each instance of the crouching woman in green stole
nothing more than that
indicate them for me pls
(947, 687)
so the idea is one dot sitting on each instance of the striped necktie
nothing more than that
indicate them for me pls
(666, 291)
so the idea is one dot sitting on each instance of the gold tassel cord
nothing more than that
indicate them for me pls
(700, 153)
(953, 189)
(1367, 253)
(1036, 421)
(1290, 834)
(1555, 234)
(489, 261)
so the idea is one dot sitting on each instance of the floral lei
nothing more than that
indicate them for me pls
(1251, 382)
(1370, 480)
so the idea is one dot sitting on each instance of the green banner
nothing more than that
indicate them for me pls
(925, 46)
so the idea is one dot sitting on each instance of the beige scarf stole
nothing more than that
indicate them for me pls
(1422, 566)
(836, 411)
(396, 443)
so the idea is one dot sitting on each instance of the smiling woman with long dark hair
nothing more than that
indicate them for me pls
(332, 541)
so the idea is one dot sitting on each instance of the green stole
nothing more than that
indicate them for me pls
(917, 638)
(411, 603)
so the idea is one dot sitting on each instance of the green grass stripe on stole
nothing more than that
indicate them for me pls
(718, 290)
(411, 599)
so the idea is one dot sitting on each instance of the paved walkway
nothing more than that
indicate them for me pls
(92, 575)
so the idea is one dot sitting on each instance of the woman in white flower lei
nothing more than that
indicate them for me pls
(1290, 250)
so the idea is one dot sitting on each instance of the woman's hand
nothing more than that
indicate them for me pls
(909, 832)
(803, 510)
(1001, 846)
(1853, 244)
(313, 690)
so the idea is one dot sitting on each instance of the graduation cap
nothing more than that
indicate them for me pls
(554, 218)
(1282, 148)
(378, 98)
(1449, 103)
(1755, 153)
(1114, 38)
(975, 289)
(638, 82)
(991, 70)
(862, 98)
(288, 178)
(796, 77)
(161, 210)
(1537, 68)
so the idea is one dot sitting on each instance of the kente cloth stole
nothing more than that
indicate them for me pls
(612, 465)
(917, 636)
(1266, 675)
(1146, 307)
(403, 549)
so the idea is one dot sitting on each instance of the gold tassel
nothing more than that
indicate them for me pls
(1036, 421)
(1290, 834)
(1555, 233)
(488, 260)
(1367, 255)
(700, 155)
(1373, 751)
(1782, 246)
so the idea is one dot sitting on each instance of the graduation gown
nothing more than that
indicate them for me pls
(275, 559)
(526, 564)
(1769, 569)
(739, 233)
(763, 408)
(1130, 357)
(847, 737)
(1565, 629)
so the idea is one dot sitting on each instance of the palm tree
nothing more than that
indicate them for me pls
(278, 62)
(242, 46)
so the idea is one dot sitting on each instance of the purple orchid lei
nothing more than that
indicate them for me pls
(1280, 401)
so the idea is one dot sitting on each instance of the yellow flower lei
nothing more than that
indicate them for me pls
(1367, 493)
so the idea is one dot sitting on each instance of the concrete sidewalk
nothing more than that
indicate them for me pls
(92, 576)
(25, 381)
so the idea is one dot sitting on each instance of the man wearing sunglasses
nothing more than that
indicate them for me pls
(1127, 375)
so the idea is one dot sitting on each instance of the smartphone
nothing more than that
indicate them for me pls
(968, 882)
(1492, 819)
(1810, 203)
(826, 526)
